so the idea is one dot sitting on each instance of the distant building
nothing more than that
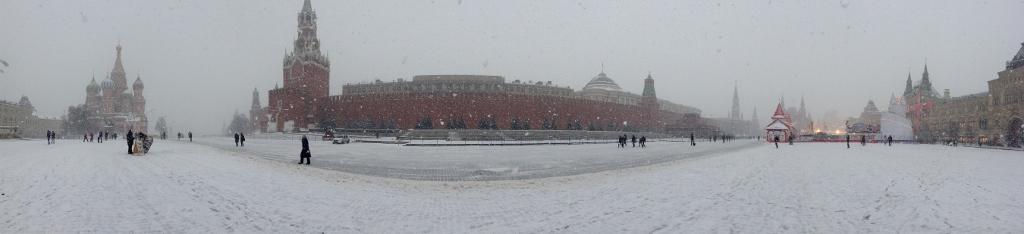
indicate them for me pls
(21, 116)
(894, 122)
(735, 124)
(992, 118)
(449, 101)
(113, 106)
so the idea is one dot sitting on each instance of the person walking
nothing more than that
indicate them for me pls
(776, 141)
(790, 140)
(106, 135)
(847, 140)
(131, 140)
(189, 136)
(236, 139)
(619, 143)
(242, 139)
(889, 140)
(643, 141)
(692, 143)
(863, 140)
(634, 141)
(305, 154)
(85, 137)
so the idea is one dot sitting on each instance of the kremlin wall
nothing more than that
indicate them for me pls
(455, 101)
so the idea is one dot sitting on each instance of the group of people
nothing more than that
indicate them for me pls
(141, 146)
(103, 136)
(776, 140)
(51, 137)
(724, 138)
(182, 135)
(239, 138)
(624, 138)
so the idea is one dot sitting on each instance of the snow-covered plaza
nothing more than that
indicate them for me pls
(211, 186)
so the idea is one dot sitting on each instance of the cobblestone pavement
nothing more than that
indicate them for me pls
(476, 163)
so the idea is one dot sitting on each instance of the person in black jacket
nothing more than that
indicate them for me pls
(236, 139)
(242, 138)
(131, 140)
(634, 141)
(304, 155)
(692, 143)
(189, 136)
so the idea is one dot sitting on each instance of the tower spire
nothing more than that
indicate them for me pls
(735, 102)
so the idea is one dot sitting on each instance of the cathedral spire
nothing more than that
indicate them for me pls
(117, 74)
(735, 102)
(802, 110)
(306, 6)
(910, 87)
(926, 84)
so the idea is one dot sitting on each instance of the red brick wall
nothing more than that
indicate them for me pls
(409, 108)
(296, 106)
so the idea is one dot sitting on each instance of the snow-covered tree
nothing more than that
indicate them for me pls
(161, 125)
(239, 124)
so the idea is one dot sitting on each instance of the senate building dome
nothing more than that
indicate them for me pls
(602, 82)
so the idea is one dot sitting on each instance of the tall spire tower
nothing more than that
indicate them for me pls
(117, 74)
(735, 114)
(306, 75)
(910, 87)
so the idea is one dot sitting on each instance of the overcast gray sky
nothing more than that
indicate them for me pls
(200, 60)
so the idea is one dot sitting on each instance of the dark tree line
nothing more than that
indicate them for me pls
(455, 124)
(372, 124)
(488, 125)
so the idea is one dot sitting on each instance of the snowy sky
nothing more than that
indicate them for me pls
(200, 60)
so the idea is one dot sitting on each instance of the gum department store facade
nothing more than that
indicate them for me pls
(992, 118)
(304, 102)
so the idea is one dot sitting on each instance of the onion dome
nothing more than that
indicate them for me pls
(138, 83)
(602, 82)
(107, 84)
(92, 87)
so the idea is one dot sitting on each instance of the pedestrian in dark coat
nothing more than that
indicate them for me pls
(47, 137)
(847, 140)
(236, 139)
(131, 140)
(776, 142)
(242, 138)
(189, 136)
(863, 140)
(634, 141)
(889, 139)
(305, 154)
(692, 143)
(643, 141)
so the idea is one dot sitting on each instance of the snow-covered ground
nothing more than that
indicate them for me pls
(474, 163)
(811, 187)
